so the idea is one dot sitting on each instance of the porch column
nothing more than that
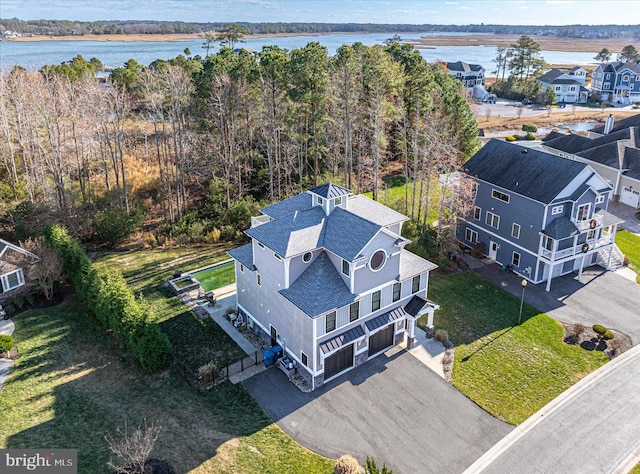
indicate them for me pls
(549, 277)
(411, 333)
(581, 268)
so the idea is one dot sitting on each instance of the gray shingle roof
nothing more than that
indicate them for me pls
(386, 318)
(330, 191)
(633, 121)
(294, 233)
(341, 339)
(571, 143)
(631, 162)
(608, 155)
(561, 228)
(415, 305)
(373, 211)
(244, 255)
(412, 265)
(566, 82)
(531, 173)
(551, 76)
(319, 288)
(463, 67)
(347, 234)
(296, 203)
(608, 219)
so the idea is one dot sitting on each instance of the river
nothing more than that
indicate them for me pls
(35, 54)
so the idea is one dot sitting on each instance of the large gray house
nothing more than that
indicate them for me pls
(327, 277)
(14, 260)
(540, 214)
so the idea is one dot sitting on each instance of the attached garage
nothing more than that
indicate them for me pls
(338, 362)
(630, 197)
(381, 340)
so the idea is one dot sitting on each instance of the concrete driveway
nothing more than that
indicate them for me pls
(601, 297)
(392, 408)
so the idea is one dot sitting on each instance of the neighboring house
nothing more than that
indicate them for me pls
(471, 75)
(538, 213)
(13, 262)
(617, 82)
(327, 277)
(612, 150)
(568, 84)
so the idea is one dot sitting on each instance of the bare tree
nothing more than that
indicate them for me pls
(132, 450)
(48, 270)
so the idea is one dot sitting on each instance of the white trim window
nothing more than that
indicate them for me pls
(515, 231)
(492, 220)
(555, 210)
(305, 359)
(241, 268)
(477, 213)
(375, 300)
(500, 195)
(415, 284)
(278, 257)
(345, 267)
(354, 311)
(599, 198)
(258, 279)
(515, 259)
(12, 280)
(330, 322)
(470, 235)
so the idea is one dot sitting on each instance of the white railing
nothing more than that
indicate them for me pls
(259, 220)
(578, 249)
(595, 221)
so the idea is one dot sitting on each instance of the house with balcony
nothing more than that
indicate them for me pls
(617, 82)
(568, 84)
(327, 277)
(471, 75)
(14, 260)
(540, 214)
(612, 150)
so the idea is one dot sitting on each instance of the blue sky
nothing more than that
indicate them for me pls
(523, 12)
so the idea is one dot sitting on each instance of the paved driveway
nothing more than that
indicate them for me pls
(601, 297)
(393, 408)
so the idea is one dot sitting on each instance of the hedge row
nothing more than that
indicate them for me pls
(111, 300)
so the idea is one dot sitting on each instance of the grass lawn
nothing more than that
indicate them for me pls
(629, 245)
(196, 342)
(510, 371)
(71, 386)
(216, 277)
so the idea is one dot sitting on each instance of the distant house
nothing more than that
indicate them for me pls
(13, 262)
(471, 75)
(613, 150)
(568, 84)
(617, 82)
(327, 277)
(540, 214)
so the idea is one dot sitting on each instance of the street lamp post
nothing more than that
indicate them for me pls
(524, 285)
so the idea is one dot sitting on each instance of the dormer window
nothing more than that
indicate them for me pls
(337, 201)
(320, 201)
(345, 267)
(306, 258)
(599, 198)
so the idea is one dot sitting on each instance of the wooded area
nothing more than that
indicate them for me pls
(196, 143)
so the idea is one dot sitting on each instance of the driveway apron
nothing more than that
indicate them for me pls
(392, 408)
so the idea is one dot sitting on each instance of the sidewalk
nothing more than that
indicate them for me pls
(6, 327)
(428, 351)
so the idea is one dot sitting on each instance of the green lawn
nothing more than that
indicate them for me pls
(394, 196)
(629, 245)
(216, 277)
(510, 371)
(195, 341)
(71, 386)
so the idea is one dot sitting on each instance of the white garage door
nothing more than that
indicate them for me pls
(630, 197)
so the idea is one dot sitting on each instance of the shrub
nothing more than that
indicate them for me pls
(607, 336)
(113, 225)
(578, 329)
(599, 329)
(347, 465)
(213, 236)
(6, 343)
(529, 127)
(529, 136)
(442, 336)
(510, 138)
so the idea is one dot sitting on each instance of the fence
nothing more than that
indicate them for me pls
(207, 379)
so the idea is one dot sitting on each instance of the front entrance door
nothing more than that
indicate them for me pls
(338, 362)
(381, 340)
(274, 336)
(493, 249)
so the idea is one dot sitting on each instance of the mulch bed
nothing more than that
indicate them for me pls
(589, 341)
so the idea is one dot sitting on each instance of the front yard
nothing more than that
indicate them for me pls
(510, 371)
(72, 385)
(629, 245)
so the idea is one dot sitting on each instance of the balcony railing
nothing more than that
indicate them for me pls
(594, 222)
(576, 250)
(259, 220)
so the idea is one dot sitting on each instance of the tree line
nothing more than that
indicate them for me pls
(197, 142)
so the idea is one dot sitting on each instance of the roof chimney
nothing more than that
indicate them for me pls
(608, 124)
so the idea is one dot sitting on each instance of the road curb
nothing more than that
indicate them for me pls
(501, 446)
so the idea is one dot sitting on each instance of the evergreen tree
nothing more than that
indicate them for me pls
(603, 56)
(526, 60)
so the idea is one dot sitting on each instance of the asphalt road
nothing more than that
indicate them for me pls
(392, 408)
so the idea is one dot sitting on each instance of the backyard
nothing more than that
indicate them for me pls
(509, 370)
(72, 385)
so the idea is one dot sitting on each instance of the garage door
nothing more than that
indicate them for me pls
(630, 197)
(336, 363)
(381, 340)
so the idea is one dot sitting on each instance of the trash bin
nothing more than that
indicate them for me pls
(277, 352)
(269, 357)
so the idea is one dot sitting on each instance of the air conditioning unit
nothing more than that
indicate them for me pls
(250, 323)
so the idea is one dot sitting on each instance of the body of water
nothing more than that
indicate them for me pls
(33, 55)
